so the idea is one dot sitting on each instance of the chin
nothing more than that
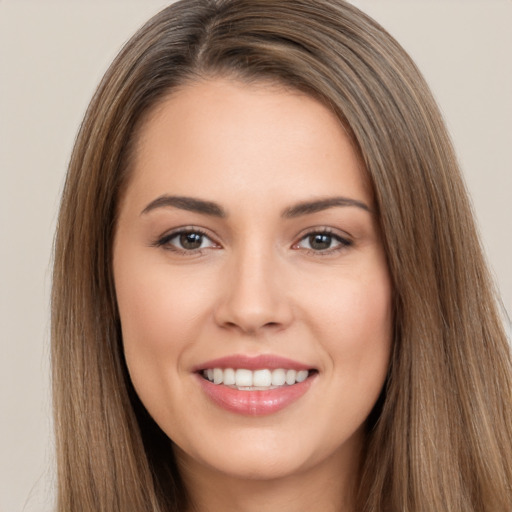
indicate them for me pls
(249, 464)
(269, 454)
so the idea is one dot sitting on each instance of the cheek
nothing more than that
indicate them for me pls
(359, 342)
(353, 318)
(365, 314)
(355, 308)
(159, 307)
(161, 317)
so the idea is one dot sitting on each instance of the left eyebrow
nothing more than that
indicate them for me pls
(309, 207)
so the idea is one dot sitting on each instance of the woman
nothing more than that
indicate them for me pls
(268, 289)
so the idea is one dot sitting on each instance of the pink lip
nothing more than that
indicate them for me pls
(269, 361)
(254, 403)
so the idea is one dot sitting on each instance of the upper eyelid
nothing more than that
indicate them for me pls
(345, 241)
(185, 229)
(169, 235)
(324, 230)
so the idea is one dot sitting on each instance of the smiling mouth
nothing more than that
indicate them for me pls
(264, 379)
(255, 386)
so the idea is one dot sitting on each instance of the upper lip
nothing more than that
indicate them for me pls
(258, 362)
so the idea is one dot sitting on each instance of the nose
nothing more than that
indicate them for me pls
(254, 297)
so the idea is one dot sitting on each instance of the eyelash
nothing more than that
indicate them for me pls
(165, 241)
(343, 243)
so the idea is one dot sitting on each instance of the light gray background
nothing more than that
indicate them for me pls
(52, 55)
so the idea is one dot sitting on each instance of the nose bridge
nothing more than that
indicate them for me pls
(254, 295)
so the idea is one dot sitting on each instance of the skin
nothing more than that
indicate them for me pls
(256, 286)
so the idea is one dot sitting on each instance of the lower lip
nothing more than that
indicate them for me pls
(255, 403)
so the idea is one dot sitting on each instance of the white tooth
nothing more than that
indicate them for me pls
(278, 377)
(262, 378)
(290, 377)
(217, 375)
(301, 375)
(243, 378)
(209, 374)
(229, 377)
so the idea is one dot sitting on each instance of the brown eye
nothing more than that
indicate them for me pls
(191, 241)
(325, 242)
(320, 242)
(186, 241)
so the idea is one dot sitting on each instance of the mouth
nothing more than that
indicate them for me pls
(255, 386)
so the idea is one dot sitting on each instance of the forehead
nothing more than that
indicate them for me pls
(219, 135)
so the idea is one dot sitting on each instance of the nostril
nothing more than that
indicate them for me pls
(251, 329)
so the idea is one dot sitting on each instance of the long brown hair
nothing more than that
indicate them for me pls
(440, 437)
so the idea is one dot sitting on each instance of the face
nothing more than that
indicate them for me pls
(251, 281)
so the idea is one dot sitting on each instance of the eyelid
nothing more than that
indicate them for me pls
(163, 240)
(345, 241)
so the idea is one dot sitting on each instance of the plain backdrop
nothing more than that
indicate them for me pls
(52, 55)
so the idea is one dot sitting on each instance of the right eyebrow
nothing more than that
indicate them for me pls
(309, 207)
(185, 203)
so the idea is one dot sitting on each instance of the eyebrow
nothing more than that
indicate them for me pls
(186, 203)
(213, 209)
(309, 207)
